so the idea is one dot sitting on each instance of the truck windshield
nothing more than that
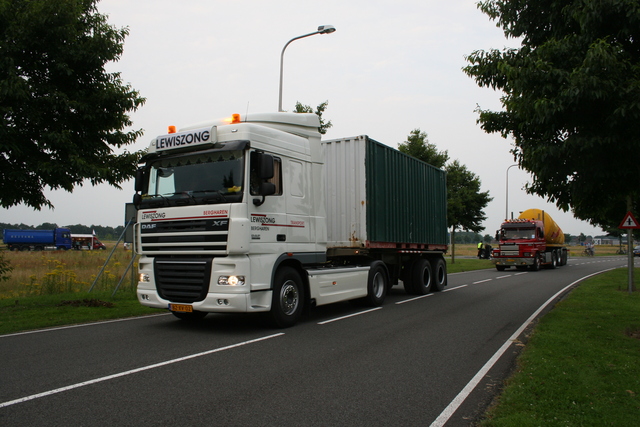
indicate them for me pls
(203, 178)
(518, 233)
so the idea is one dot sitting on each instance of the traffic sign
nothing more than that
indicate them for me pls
(629, 221)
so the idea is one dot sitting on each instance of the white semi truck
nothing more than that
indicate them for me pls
(256, 214)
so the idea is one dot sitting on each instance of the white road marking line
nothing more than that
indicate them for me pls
(428, 295)
(133, 371)
(457, 287)
(82, 325)
(347, 316)
(482, 281)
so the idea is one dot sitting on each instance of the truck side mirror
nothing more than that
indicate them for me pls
(498, 235)
(265, 166)
(139, 180)
(267, 188)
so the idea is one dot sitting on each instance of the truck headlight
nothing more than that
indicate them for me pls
(144, 277)
(231, 280)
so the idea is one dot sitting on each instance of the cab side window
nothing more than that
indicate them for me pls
(276, 180)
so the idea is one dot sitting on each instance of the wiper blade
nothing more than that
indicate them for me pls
(216, 196)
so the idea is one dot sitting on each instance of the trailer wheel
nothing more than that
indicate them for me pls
(288, 297)
(563, 257)
(439, 271)
(420, 278)
(190, 317)
(377, 284)
(24, 248)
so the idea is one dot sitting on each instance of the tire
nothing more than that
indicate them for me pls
(564, 257)
(377, 284)
(420, 278)
(288, 297)
(554, 260)
(24, 248)
(38, 248)
(190, 317)
(536, 263)
(439, 274)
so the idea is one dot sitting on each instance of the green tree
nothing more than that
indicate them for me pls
(324, 125)
(570, 100)
(465, 201)
(62, 113)
(417, 145)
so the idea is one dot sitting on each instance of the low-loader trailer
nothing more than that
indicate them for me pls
(257, 214)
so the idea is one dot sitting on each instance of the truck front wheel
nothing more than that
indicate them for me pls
(554, 260)
(288, 297)
(536, 263)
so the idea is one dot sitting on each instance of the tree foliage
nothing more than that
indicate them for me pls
(570, 99)
(62, 113)
(324, 125)
(417, 145)
(465, 201)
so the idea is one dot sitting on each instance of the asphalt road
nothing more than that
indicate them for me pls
(401, 364)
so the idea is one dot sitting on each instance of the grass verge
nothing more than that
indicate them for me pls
(467, 264)
(43, 311)
(580, 366)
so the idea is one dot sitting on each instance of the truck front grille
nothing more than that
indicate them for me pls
(509, 250)
(204, 235)
(182, 280)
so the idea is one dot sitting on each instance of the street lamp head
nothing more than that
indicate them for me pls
(322, 29)
(326, 29)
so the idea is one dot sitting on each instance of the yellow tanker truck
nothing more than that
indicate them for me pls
(529, 242)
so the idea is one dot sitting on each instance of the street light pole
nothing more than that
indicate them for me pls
(322, 29)
(506, 209)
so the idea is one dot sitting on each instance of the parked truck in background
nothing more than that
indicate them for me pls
(256, 214)
(529, 242)
(37, 240)
(86, 242)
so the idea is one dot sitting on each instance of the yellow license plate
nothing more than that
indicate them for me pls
(511, 260)
(182, 308)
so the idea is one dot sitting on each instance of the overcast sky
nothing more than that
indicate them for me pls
(391, 67)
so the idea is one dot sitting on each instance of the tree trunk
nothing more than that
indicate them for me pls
(453, 246)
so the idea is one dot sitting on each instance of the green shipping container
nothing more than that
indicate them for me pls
(378, 197)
